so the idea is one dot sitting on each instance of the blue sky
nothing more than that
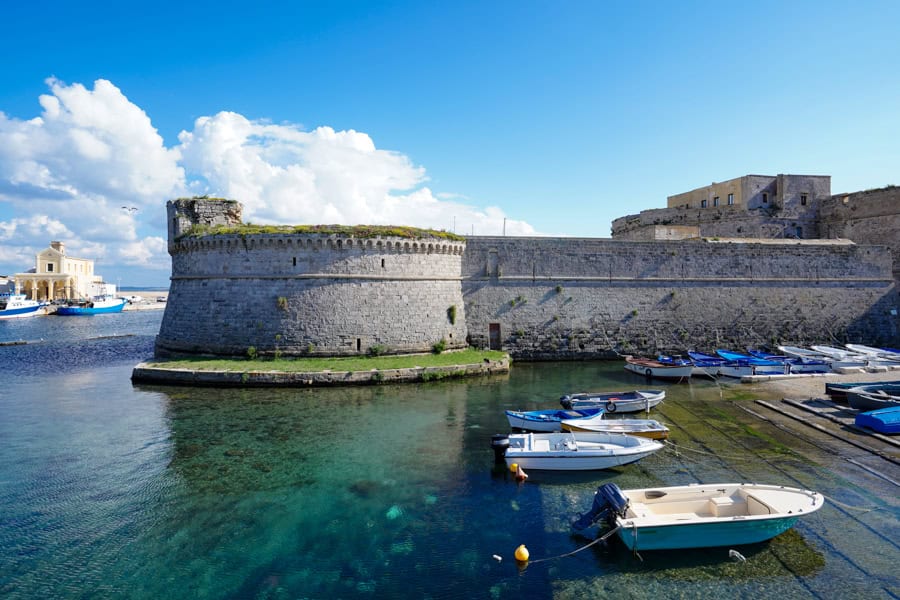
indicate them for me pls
(555, 116)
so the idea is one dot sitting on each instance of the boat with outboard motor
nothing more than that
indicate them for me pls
(698, 516)
(15, 306)
(614, 401)
(571, 451)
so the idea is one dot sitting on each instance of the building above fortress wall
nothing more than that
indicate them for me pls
(868, 217)
(780, 206)
(308, 294)
(589, 298)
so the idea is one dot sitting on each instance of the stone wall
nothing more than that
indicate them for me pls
(590, 298)
(869, 217)
(541, 298)
(312, 294)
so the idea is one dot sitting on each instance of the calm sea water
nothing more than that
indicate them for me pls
(114, 490)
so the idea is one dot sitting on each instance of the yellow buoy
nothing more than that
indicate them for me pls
(513, 467)
(522, 553)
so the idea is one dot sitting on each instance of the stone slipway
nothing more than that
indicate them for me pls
(144, 373)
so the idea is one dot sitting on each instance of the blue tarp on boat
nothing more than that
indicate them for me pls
(885, 420)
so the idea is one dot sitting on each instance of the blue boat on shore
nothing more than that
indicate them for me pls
(96, 306)
(885, 420)
(699, 516)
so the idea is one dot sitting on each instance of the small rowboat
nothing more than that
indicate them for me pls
(647, 428)
(886, 420)
(547, 421)
(873, 396)
(699, 516)
(575, 451)
(614, 401)
(649, 367)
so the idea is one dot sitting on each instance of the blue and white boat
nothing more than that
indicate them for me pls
(699, 516)
(14, 306)
(741, 365)
(547, 420)
(795, 364)
(705, 364)
(885, 420)
(95, 306)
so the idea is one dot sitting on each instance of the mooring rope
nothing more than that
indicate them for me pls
(676, 448)
(599, 539)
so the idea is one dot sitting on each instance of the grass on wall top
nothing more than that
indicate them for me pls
(355, 231)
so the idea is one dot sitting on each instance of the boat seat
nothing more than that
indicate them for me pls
(639, 509)
(726, 506)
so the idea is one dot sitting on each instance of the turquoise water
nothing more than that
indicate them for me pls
(114, 490)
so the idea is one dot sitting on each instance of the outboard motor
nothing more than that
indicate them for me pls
(609, 501)
(566, 402)
(499, 444)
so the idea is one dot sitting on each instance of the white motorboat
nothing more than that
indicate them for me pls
(647, 428)
(576, 451)
(699, 516)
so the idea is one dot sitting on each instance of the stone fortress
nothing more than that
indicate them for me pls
(734, 271)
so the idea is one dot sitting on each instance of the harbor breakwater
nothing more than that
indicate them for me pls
(537, 298)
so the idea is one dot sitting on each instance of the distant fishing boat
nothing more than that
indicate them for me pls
(15, 306)
(699, 516)
(95, 306)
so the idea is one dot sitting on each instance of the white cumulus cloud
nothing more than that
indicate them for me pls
(93, 172)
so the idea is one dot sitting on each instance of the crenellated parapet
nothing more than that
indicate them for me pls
(309, 290)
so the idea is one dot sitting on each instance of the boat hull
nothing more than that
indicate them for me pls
(886, 420)
(97, 309)
(658, 371)
(612, 427)
(18, 313)
(546, 421)
(615, 402)
(576, 452)
(702, 535)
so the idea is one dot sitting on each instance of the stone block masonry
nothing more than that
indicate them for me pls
(537, 298)
(550, 298)
(310, 294)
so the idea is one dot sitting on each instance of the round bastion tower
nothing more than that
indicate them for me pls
(307, 290)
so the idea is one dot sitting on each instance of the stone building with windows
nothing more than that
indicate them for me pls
(58, 276)
(751, 206)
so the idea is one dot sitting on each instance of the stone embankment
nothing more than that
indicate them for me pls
(146, 373)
